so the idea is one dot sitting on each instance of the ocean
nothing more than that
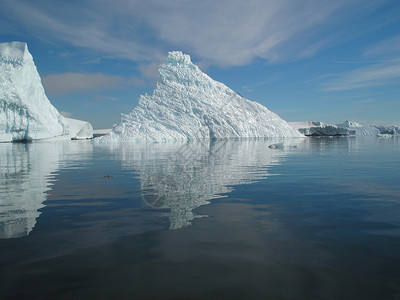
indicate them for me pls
(307, 218)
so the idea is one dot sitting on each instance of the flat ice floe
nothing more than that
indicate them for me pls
(188, 104)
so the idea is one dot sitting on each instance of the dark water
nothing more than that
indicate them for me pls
(308, 219)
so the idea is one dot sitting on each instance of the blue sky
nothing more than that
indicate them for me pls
(303, 59)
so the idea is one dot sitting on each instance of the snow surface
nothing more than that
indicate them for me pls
(188, 104)
(320, 129)
(25, 111)
(79, 130)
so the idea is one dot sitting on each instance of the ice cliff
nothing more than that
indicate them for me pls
(25, 111)
(188, 104)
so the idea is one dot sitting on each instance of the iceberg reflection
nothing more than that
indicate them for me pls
(182, 177)
(25, 176)
(175, 178)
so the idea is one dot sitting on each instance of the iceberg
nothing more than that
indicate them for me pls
(79, 130)
(347, 128)
(25, 111)
(101, 132)
(189, 105)
(392, 130)
(321, 129)
(360, 129)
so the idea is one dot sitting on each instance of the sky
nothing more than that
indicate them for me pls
(306, 60)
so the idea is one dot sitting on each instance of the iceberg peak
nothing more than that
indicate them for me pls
(177, 57)
(188, 104)
(348, 124)
(14, 52)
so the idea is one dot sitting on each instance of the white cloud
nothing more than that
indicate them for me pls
(219, 32)
(67, 83)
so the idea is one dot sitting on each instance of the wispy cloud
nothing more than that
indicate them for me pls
(66, 114)
(149, 70)
(370, 76)
(102, 98)
(224, 33)
(69, 83)
(383, 68)
(84, 24)
(386, 48)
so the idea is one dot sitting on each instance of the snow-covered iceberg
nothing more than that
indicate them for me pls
(388, 129)
(25, 111)
(79, 130)
(320, 129)
(360, 129)
(347, 128)
(188, 104)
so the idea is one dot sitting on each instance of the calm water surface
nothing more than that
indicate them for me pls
(304, 219)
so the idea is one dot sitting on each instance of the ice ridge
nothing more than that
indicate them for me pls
(188, 104)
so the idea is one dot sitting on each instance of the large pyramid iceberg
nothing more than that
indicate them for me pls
(188, 104)
(25, 111)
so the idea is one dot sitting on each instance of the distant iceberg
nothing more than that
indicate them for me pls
(360, 129)
(321, 129)
(347, 128)
(188, 104)
(79, 130)
(25, 111)
(388, 129)
(101, 132)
